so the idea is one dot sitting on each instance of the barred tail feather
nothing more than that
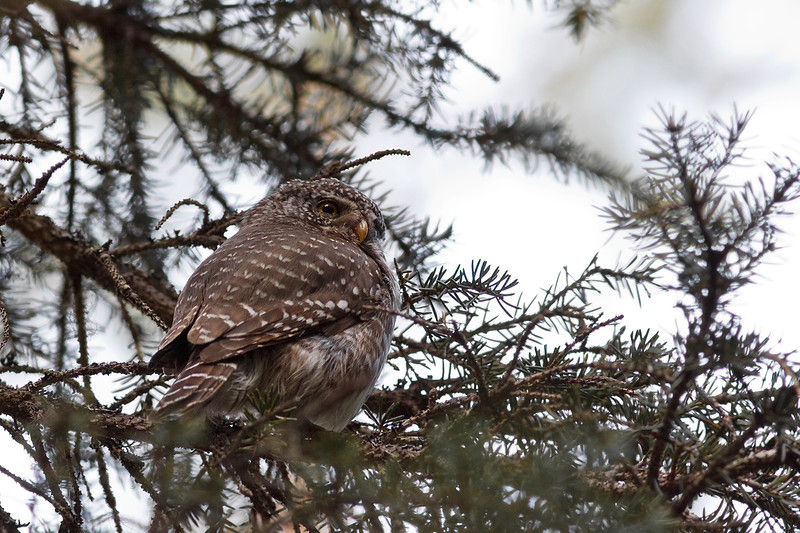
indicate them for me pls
(195, 386)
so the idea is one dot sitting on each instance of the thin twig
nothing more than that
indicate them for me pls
(135, 368)
(6, 325)
(71, 522)
(108, 493)
(477, 369)
(33, 489)
(16, 158)
(126, 291)
(185, 201)
(134, 468)
(717, 468)
(333, 170)
(18, 205)
(207, 241)
(79, 307)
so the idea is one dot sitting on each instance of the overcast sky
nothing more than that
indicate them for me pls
(698, 57)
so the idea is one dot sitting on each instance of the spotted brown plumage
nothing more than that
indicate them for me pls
(290, 303)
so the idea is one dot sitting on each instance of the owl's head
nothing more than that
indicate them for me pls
(327, 204)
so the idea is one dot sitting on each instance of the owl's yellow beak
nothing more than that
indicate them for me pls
(361, 230)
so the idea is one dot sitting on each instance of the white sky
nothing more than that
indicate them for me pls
(699, 57)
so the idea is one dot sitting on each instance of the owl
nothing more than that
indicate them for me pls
(299, 301)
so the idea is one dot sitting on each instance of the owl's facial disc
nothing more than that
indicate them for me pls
(343, 214)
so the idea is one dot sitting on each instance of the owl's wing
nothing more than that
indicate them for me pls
(264, 288)
(173, 351)
(320, 313)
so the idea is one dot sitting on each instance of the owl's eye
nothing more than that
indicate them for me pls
(328, 208)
